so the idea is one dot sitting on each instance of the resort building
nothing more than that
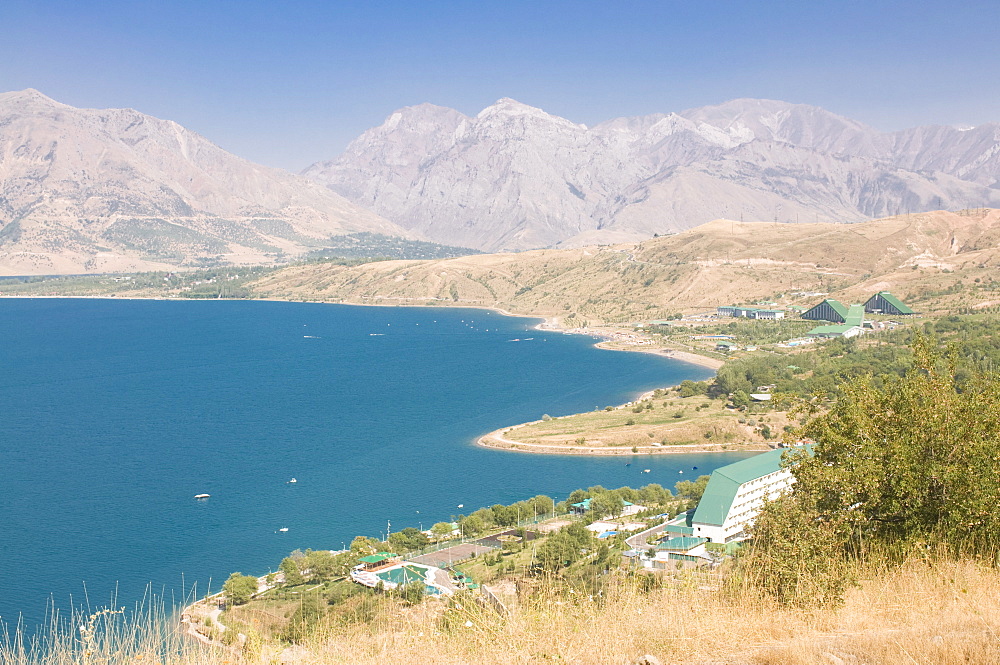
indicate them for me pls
(828, 310)
(735, 495)
(853, 322)
(628, 508)
(884, 302)
(750, 312)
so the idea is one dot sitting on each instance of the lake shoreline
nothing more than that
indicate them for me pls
(604, 340)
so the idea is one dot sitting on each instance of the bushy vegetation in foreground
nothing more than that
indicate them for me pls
(908, 468)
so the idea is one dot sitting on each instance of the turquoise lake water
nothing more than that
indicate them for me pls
(114, 414)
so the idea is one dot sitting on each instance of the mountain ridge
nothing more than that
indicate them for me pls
(91, 190)
(514, 177)
(953, 255)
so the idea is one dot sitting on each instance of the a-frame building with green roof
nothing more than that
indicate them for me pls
(884, 302)
(828, 310)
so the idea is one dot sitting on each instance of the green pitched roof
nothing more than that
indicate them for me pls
(585, 504)
(677, 528)
(724, 483)
(378, 557)
(894, 301)
(838, 307)
(681, 543)
(404, 575)
(838, 329)
(855, 316)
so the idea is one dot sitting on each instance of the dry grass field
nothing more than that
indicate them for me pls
(919, 257)
(924, 613)
(649, 425)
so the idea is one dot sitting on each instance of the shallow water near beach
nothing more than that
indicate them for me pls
(115, 414)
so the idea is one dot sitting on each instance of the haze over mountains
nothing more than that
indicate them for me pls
(514, 177)
(84, 190)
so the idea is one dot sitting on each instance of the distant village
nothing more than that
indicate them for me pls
(696, 538)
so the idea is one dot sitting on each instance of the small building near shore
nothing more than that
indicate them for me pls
(750, 312)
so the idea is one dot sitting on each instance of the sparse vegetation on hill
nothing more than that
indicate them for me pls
(718, 263)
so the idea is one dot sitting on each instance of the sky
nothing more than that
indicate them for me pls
(290, 83)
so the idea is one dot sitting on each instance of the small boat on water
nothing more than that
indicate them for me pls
(283, 529)
(292, 481)
(202, 496)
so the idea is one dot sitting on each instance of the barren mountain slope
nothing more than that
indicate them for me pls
(84, 190)
(717, 263)
(515, 177)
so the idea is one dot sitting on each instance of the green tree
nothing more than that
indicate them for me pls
(442, 530)
(293, 574)
(740, 398)
(607, 504)
(408, 540)
(542, 505)
(323, 565)
(240, 588)
(692, 388)
(901, 467)
(363, 545)
(471, 525)
(692, 489)
(914, 461)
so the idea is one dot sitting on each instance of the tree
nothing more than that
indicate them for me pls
(293, 574)
(692, 489)
(240, 588)
(471, 525)
(607, 503)
(363, 545)
(408, 540)
(690, 388)
(323, 565)
(442, 530)
(913, 461)
(907, 466)
(542, 505)
(740, 398)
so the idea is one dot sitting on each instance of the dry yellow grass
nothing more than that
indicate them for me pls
(717, 263)
(943, 614)
(924, 612)
(673, 421)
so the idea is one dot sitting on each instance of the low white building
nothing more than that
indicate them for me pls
(736, 493)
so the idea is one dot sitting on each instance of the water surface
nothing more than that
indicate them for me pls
(114, 414)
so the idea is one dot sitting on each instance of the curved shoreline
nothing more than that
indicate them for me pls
(496, 440)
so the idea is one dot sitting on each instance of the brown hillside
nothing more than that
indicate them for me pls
(721, 262)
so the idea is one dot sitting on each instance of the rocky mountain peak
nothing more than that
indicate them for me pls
(85, 190)
(516, 177)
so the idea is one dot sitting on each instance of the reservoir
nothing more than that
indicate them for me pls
(114, 414)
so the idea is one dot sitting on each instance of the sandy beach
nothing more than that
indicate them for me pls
(496, 439)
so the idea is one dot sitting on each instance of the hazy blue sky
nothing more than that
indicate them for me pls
(290, 83)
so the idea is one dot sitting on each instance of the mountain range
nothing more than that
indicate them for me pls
(86, 190)
(514, 177)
